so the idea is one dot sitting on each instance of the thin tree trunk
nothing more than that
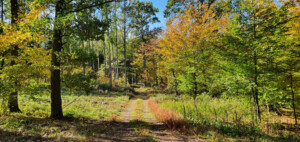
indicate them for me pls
(124, 42)
(105, 69)
(109, 62)
(13, 97)
(255, 69)
(56, 103)
(113, 59)
(256, 86)
(2, 15)
(293, 98)
(1, 30)
(117, 59)
(176, 83)
(195, 86)
(83, 67)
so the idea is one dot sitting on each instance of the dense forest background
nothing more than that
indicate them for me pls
(214, 62)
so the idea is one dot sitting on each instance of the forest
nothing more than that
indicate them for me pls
(150, 70)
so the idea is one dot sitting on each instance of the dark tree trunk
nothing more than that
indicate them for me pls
(56, 103)
(176, 83)
(1, 29)
(195, 86)
(255, 71)
(2, 15)
(13, 97)
(256, 87)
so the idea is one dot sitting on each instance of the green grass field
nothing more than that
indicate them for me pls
(84, 116)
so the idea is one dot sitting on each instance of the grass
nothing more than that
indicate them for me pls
(227, 118)
(172, 119)
(84, 117)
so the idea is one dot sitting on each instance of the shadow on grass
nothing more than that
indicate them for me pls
(235, 130)
(22, 128)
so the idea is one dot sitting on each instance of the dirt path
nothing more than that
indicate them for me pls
(127, 113)
(146, 129)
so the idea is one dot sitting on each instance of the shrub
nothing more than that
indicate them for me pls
(172, 119)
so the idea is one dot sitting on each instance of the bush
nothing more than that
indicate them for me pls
(104, 87)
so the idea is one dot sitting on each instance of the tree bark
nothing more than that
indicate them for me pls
(56, 103)
(13, 97)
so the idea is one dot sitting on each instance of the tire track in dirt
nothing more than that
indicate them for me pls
(127, 116)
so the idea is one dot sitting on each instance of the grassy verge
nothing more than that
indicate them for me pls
(227, 118)
(84, 117)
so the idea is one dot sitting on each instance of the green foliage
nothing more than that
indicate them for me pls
(80, 81)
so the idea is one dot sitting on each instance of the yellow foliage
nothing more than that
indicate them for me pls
(190, 34)
(27, 41)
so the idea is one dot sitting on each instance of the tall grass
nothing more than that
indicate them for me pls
(99, 106)
(172, 119)
(231, 116)
(205, 108)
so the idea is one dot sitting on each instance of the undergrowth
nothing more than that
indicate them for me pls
(172, 119)
(227, 117)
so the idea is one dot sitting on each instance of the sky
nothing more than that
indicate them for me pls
(161, 5)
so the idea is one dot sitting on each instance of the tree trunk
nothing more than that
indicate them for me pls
(56, 103)
(83, 67)
(117, 58)
(293, 98)
(195, 86)
(124, 42)
(176, 83)
(255, 70)
(105, 69)
(2, 15)
(109, 62)
(1, 29)
(256, 86)
(13, 97)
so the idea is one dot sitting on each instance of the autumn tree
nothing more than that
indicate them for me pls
(27, 60)
(192, 53)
